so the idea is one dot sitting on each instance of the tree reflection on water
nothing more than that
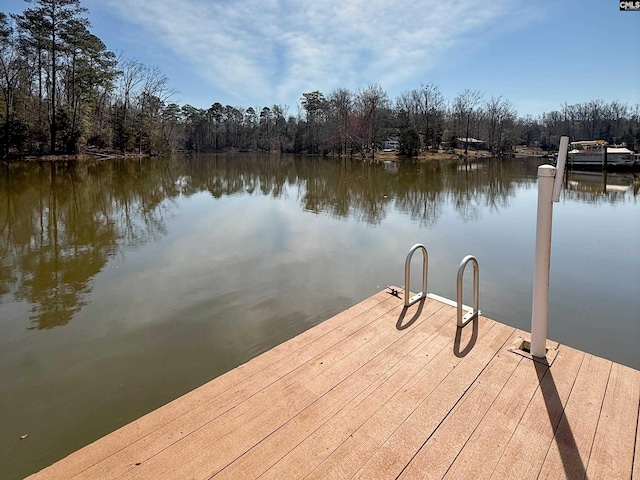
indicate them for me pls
(61, 222)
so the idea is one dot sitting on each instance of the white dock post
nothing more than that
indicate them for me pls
(548, 192)
(540, 309)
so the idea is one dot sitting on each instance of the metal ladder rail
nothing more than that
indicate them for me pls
(407, 275)
(474, 312)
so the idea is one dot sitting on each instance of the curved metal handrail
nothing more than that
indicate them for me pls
(471, 312)
(407, 275)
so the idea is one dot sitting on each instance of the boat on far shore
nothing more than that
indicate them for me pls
(598, 154)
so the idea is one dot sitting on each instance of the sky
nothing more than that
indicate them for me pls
(538, 55)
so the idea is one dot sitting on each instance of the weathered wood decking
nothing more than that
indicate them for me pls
(380, 392)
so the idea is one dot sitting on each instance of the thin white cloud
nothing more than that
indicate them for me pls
(260, 51)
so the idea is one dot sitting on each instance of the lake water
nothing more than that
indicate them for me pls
(125, 284)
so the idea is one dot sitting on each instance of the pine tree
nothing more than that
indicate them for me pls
(47, 25)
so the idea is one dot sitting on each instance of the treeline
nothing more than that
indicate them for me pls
(63, 91)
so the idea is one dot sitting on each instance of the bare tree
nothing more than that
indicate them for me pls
(341, 107)
(465, 109)
(279, 113)
(369, 103)
(132, 74)
(151, 100)
(499, 112)
(430, 109)
(616, 112)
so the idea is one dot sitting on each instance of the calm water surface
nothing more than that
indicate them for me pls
(126, 284)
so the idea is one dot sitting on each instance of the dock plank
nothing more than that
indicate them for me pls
(492, 435)
(285, 403)
(437, 453)
(530, 443)
(614, 443)
(421, 427)
(636, 455)
(569, 452)
(382, 391)
(315, 448)
(377, 374)
(437, 389)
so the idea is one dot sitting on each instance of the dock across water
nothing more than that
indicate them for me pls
(385, 391)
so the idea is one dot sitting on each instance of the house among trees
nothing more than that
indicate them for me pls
(473, 143)
(391, 144)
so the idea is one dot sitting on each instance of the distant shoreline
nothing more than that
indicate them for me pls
(424, 156)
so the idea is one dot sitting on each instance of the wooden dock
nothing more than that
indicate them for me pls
(379, 391)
